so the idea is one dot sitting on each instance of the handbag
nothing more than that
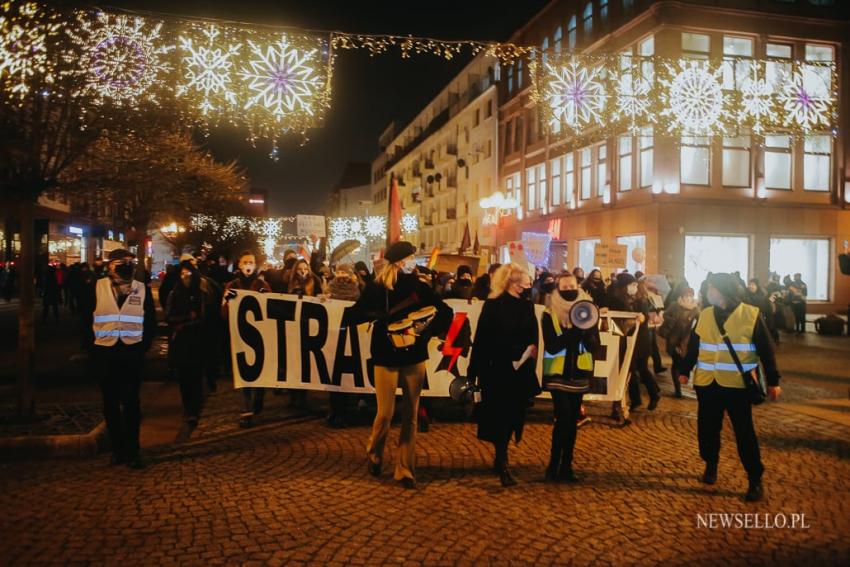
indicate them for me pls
(752, 382)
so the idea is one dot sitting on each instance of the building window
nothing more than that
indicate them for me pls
(820, 53)
(738, 53)
(477, 118)
(586, 160)
(508, 138)
(587, 19)
(624, 169)
(646, 141)
(569, 180)
(489, 109)
(544, 47)
(696, 45)
(715, 254)
(817, 162)
(541, 187)
(695, 158)
(736, 161)
(808, 257)
(519, 74)
(559, 36)
(530, 189)
(489, 149)
(777, 161)
(518, 134)
(646, 49)
(603, 11)
(587, 253)
(571, 33)
(775, 68)
(511, 79)
(628, 5)
(601, 169)
(632, 243)
(555, 164)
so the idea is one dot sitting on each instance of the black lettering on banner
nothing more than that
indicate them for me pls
(252, 338)
(281, 310)
(313, 344)
(348, 364)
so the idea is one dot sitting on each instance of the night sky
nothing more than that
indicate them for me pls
(368, 92)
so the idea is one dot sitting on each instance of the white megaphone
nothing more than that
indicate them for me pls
(584, 314)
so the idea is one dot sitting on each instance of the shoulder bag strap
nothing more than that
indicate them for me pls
(728, 343)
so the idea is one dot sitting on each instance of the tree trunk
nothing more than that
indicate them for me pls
(26, 330)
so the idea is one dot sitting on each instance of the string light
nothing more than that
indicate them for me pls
(363, 229)
(693, 98)
(409, 223)
(207, 69)
(575, 94)
(23, 45)
(806, 99)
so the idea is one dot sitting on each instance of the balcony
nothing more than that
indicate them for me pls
(451, 214)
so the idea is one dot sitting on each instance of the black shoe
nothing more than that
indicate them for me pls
(568, 476)
(710, 474)
(678, 394)
(424, 426)
(117, 459)
(192, 422)
(634, 405)
(137, 463)
(653, 402)
(374, 468)
(408, 483)
(246, 421)
(506, 478)
(551, 474)
(755, 492)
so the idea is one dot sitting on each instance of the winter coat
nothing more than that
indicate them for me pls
(676, 329)
(311, 287)
(346, 290)
(241, 282)
(506, 327)
(596, 290)
(571, 338)
(190, 314)
(461, 289)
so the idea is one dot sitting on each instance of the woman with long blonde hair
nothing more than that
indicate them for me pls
(399, 350)
(504, 360)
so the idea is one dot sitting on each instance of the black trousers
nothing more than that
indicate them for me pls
(119, 371)
(567, 407)
(191, 378)
(640, 365)
(714, 401)
(799, 310)
(656, 352)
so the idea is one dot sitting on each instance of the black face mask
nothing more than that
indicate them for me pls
(569, 294)
(525, 294)
(548, 287)
(124, 271)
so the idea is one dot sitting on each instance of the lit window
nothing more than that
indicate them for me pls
(696, 45)
(631, 243)
(628, 5)
(736, 161)
(519, 73)
(586, 159)
(808, 257)
(716, 254)
(569, 179)
(544, 47)
(646, 49)
(601, 169)
(559, 34)
(541, 186)
(820, 54)
(555, 164)
(777, 161)
(737, 52)
(530, 189)
(646, 141)
(587, 253)
(624, 145)
(775, 68)
(571, 33)
(587, 18)
(603, 11)
(817, 160)
(695, 158)
(510, 79)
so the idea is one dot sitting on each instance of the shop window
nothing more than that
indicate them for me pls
(587, 253)
(634, 242)
(807, 256)
(706, 254)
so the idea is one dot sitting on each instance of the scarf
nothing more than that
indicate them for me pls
(561, 307)
(347, 290)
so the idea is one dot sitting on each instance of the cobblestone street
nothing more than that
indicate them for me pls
(297, 492)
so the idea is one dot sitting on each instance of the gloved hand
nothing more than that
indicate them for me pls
(231, 293)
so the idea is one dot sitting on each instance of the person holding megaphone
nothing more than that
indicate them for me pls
(570, 336)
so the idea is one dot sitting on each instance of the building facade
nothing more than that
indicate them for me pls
(684, 206)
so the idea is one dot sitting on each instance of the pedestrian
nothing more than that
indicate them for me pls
(172, 274)
(679, 319)
(542, 288)
(798, 292)
(124, 325)
(399, 350)
(482, 283)
(657, 288)
(567, 370)
(50, 293)
(246, 279)
(190, 308)
(463, 284)
(720, 385)
(579, 274)
(302, 280)
(363, 272)
(344, 287)
(503, 360)
(594, 286)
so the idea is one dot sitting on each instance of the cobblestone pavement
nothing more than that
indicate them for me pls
(293, 491)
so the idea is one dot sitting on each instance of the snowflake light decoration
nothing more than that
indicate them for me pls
(756, 102)
(123, 57)
(23, 46)
(632, 101)
(283, 80)
(362, 229)
(409, 223)
(575, 94)
(693, 98)
(207, 73)
(375, 226)
(806, 99)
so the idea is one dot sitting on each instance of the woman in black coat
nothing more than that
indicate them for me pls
(507, 333)
(594, 285)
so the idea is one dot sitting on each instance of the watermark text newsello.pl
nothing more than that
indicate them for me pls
(752, 521)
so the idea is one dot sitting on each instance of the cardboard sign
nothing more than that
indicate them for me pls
(610, 255)
(308, 225)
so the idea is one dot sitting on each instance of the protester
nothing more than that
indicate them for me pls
(567, 370)
(387, 302)
(246, 279)
(302, 280)
(542, 288)
(679, 318)
(756, 296)
(594, 286)
(798, 292)
(50, 294)
(579, 274)
(124, 325)
(503, 360)
(172, 275)
(463, 285)
(362, 271)
(481, 288)
(719, 384)
(657, 288)
(345, 287)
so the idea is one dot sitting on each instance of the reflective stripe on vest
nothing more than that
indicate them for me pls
(715, 362)
(111, 324)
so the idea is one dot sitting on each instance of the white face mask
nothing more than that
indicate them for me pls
(714, 299)
(409, 266)
(631, 289)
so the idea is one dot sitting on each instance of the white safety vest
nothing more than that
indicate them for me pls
(112, 323)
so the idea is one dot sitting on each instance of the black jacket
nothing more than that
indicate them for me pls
(570, 339)
(381, 306)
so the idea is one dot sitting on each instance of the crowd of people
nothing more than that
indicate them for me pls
(115, 303)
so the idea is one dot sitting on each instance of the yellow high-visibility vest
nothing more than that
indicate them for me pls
(112, 324)
(715, 361)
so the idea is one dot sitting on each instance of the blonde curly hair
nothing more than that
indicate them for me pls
(506, 275)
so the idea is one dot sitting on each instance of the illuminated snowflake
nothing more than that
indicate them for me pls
(756, 102)
(208, 67)
(23, 49)
(409, 223)
(375, 227)
(806, 99)
(283, 79)
(123, 57)
(576, 94)
(633, 98)
(694, 98)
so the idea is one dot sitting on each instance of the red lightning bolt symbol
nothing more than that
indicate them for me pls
(448, 347)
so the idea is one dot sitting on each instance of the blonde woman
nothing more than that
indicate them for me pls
(507, 333)
(396, 293)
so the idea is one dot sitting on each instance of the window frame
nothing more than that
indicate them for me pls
(829, 154)
(748, 149)
(708, 147)
(531, 201)
(788, 151)
(628, 156)
(585, 188)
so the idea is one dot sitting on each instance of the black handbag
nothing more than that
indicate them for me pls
(751, 377)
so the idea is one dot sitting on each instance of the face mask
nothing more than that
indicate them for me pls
(525, 293)
(409, 266)
(715, 299)
(548, 287)
(632, 289)
(569, 294)
(187, 280)
(752, 288)
(124, 271)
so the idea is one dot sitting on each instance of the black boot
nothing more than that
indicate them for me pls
(554, 454)
(505, 476)
(710, 474)
(755, 491)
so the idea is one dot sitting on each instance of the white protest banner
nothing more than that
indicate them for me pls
(309, 225)
(280, 341)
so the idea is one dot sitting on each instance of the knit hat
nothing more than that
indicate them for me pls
(399, 251)
(347, 268)
(727, 284)
(463, 269)
(625, 279)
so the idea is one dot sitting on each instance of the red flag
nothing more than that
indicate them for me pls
(394, 213)
(465, 243)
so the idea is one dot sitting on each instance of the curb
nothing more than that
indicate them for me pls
(45, 447)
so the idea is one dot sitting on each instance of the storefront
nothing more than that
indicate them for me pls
(66, 244)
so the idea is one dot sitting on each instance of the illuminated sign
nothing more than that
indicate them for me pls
(256, 201)
(75, 230)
